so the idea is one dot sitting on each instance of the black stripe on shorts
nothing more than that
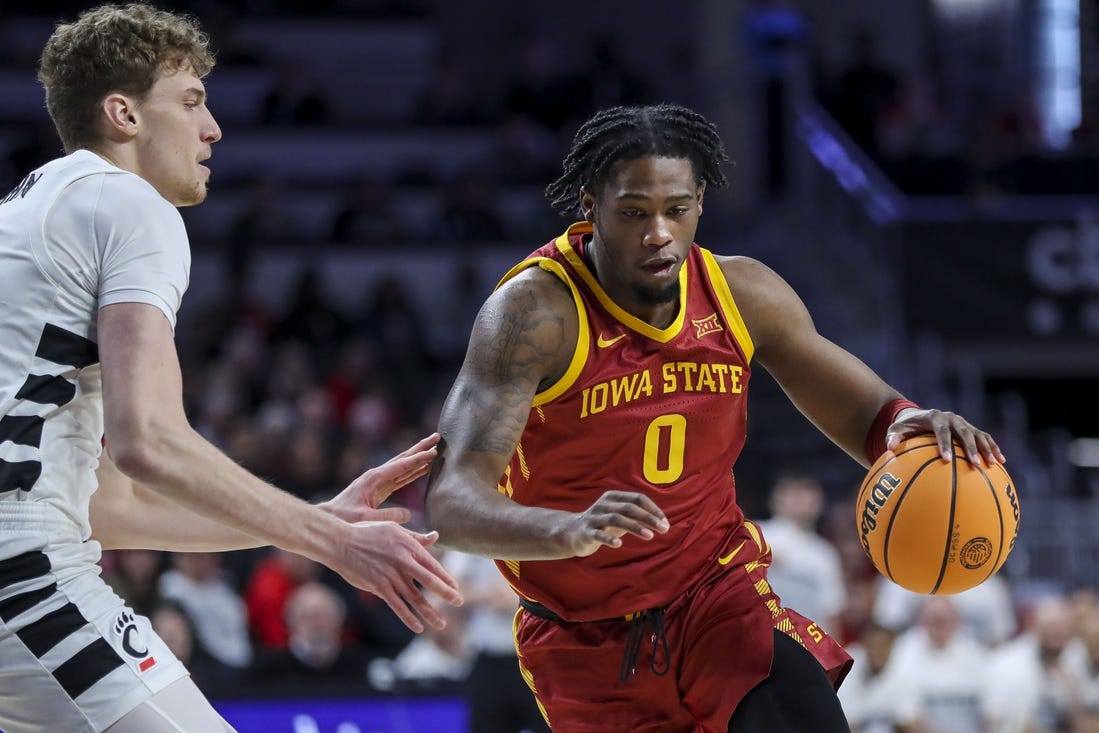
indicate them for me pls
(47, 632)
(86, 667)
(12, 607)
(29, 565)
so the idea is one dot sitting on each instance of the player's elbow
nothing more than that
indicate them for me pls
(135, 456)
(140, 450)
(439, 513)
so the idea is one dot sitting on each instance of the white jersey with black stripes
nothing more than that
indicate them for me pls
(75, 235)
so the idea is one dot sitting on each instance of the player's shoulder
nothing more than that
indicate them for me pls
(539, 279)
(97, 183)
(741, 269)
(129, 192)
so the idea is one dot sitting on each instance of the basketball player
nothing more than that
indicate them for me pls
(589, 439)
(93, 262)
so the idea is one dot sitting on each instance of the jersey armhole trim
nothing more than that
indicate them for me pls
(583, 339)
(728, 305)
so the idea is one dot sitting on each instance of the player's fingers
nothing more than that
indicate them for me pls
(963, 433)
(397, 514)
(403, 610)
(410, 476)
(425, 445)
(604, 537)
(612, 521)
(945, 438)
(426, 539)
(433, 577)
(636, 505)
(989, 449)
(397, 475)
(420, 606)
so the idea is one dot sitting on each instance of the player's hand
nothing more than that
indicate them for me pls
(978, 445)
(393, 563)
(614, 514)
(359, 502)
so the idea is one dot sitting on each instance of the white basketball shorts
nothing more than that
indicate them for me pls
(73, 656)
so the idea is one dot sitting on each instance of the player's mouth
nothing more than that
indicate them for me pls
(660, 266)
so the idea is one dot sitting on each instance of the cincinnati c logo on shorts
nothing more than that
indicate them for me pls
(126, 627)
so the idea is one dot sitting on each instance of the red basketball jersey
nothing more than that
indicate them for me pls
(657, 411)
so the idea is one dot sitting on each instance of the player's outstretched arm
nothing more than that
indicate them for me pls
(152, 443)
(523, 340)
(834, 389)
(169, 525)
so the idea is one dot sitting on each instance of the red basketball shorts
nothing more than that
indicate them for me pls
(720, 637)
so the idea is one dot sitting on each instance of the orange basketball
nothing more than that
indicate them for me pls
(933, 526)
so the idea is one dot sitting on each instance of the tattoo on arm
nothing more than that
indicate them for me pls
(516, 346)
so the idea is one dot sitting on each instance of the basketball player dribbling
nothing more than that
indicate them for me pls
(94, 260)
(589, 440)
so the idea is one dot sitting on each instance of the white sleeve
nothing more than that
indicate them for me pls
(144, 255)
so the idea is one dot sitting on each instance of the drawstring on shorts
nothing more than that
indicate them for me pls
(639, 623)
(658, 644)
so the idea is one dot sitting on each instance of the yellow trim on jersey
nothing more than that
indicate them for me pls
(580, 353)
(564, 246)
(728, 305)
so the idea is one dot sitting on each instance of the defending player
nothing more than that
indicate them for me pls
(93, 262)
(589, 441)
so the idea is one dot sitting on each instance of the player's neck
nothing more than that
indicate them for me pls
(658, 315)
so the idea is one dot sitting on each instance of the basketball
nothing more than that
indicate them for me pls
(932, 526)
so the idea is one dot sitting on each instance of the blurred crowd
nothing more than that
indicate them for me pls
(311, 394)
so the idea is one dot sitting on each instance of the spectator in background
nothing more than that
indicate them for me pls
(1031, 686)
(315, 660)
(498, 698)
(196, 583)
(1084, 660)
(295, 98)
(876, 697)
(209, 332)
(609, 81)
(805, 570)
(525, 151)
(367, 216)
(987, 611)
(541, 88)
(273, 581)
(860, 577)
(864, 92)
(265, 219)
(946, 667)
(174, 625)
(312, 319)
(436, 661)
(451, 96)
(134, 575)
(467, 213)
(307, 473)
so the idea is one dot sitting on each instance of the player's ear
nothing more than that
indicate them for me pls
(700, 194)
(587, 204)
(120, 114)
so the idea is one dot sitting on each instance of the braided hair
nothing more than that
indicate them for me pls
(627, 133)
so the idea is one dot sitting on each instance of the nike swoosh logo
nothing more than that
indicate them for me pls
(729, 558)
(604, 343)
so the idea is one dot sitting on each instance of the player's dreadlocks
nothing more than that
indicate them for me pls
(626, 133)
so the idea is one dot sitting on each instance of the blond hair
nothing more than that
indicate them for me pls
(114, 48)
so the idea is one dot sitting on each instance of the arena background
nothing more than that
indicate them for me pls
(923, 172)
